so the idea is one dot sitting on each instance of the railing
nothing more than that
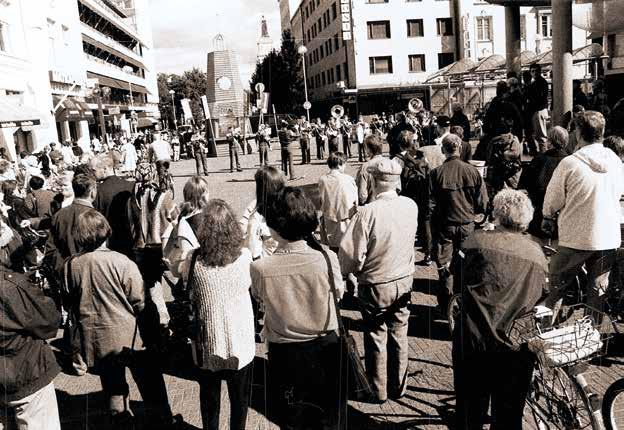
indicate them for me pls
(118, 19)
(120, 47)
(112, 66)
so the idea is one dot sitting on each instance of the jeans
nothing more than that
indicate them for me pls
(303, 383)
(239, 389)
(287, 161)
(34, 412)
(566, 264)
(200, 161)
(149, 379)
(501, 378)
(234, 155)
(263, 152)
(386, 317)
(305, 150)
(540, 133)
(447, 241)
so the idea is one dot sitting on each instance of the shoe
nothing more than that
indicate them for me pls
(374, 400)
(239, 170)
(231, 170)
(427, 261)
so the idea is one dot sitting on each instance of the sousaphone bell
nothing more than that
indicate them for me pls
(337, 111)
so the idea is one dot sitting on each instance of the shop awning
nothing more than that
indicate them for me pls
(71, 109)
(15, 114)
(488, 64)
(584, 53)
(116, 83)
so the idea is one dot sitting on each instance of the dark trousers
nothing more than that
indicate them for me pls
(201, 162)
(287, 161)
(149, 379)
(234, 155)
(334, 143)
(502, 378)
(346, 146)
(424, 231)
(263, 151)
(362, 156)
(447, 240)
(320, 148)
(305, 150)
(303, 383)
(239, 389)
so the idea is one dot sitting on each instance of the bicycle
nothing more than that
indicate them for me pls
(559, 396)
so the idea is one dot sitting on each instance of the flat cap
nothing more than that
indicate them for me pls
(443, 121)
(385, 170)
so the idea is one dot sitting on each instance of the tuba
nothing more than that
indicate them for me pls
(337, 111)
(415, 105)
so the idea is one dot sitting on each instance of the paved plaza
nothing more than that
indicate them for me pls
(429, 401)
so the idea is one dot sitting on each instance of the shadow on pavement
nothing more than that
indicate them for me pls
(424, 323)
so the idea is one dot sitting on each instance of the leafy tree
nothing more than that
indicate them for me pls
(281, 73)
(192, 84)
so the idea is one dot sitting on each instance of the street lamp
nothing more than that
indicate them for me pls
(129, 70)
(175, 120)
(303, 51)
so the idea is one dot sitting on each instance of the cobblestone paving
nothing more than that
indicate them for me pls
(430, 397)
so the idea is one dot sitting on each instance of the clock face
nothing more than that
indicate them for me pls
(224, 83)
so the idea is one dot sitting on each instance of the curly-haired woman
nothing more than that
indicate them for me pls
(224, 344)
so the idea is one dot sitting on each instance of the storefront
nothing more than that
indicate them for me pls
(72, 119)
(17, 125)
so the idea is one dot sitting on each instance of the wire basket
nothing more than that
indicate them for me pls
(580, 333)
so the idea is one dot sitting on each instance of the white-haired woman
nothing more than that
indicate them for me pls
(501, 274)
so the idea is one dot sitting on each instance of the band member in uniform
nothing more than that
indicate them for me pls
(345, 130)
(263, 138)
(333, 135)
(318, 131)
(304, 141)
(286, 137)
(233, 138)
(199, 153)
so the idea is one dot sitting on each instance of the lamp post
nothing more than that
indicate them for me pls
(303, 51)
(175, 120)
(129, 70)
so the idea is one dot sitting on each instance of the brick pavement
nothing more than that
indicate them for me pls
(430, 397)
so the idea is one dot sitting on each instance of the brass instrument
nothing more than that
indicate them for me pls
(337, 111)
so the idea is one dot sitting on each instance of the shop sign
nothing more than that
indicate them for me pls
(13, 124)
(345, 13)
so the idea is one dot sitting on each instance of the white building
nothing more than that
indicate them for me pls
(48, 51)
(397, 44)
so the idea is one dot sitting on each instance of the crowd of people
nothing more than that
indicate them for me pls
(101, 227)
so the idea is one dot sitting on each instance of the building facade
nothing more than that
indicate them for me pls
(52, 51)
(397, 44)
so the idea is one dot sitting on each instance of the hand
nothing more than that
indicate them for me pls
(25, 223)
(548, 226)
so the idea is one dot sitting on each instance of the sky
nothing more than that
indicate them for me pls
(184, 31)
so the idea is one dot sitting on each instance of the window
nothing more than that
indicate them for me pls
(522, 26)
(445, 26)
(330, 47)
(380, 65)
(546, 25)
(445, 58)
(320, 25)
(330, 76)
(378, 29)
(4, 37)
(336, 43)
(484, 28)
(309, 38)
(323, 80)
(417, 63)
(415, 28)
(338, 73)
(334, 11)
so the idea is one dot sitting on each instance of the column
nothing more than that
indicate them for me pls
(65, 133)
(512, 39)
(562, 59)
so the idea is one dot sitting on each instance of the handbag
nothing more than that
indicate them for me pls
(352, 370)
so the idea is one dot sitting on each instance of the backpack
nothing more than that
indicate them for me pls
(414, 178)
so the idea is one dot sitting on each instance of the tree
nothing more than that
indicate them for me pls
(281, 73)
(191, 85)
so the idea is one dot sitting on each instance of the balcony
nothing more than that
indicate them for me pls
(109, 41)
(103, 68)
(112, 66)
(104, 10)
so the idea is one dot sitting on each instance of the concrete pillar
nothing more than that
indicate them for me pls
(562, 59)
(459, 30)
(512, 39)
(65, 133)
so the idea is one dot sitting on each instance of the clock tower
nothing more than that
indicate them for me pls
(225, 94)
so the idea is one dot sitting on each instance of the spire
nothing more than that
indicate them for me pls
(264, 30)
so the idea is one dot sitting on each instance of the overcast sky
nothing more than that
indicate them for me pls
(184, 31)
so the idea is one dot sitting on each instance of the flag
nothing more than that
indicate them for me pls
(186, 107)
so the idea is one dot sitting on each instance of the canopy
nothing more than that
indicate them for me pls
(456, 68)
(116, 83)
(488, 64)
(71, 109)
(584, 53)
(15, 114)
(599, 17)
(526, 57)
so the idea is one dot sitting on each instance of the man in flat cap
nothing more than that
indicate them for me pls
(457, 193)
(377, 253)
(433, 153)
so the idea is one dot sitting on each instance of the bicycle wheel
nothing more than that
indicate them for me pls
(558, 402)
(453, 311)
(613, 406)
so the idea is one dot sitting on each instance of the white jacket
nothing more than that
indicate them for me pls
(585, 189)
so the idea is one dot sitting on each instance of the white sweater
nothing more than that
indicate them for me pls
(585, 189)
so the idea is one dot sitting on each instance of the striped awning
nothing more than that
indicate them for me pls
(71, 109)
